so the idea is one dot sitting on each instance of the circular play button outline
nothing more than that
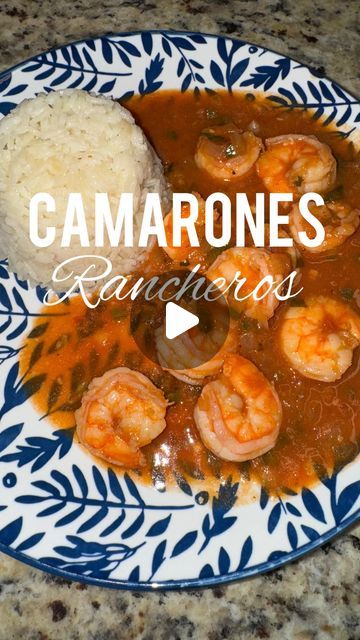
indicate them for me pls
(180, 333)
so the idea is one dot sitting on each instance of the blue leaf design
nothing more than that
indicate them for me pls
(158, 557)
(221, 47)
(107, 87)
(183, 484)
(76, 56)
(4, 298)
(115, 485)
(264, 498)
(66, 54)
(63, 481)
(18, 330)
(80, 479)
(206, 572)
(326, 91)
(16, 90)
(9, 435)
(45, 74)
(216, 73)
(292, 535)
(182, 43)
(238, 71)
(90, 85)
(276, 555)
(166, 47)
(274, 517)
(184, 543)
(224, 561)
(134, 527)
(313, 505)
(90, 44)
(135, 573)
(246, 553)
(124, 58)
(114, 526)
(94, 520)
(181, 67)
(132, 488)
(310, 533)
(10, 532)
(29, 543)
(6, 107)
(293, 510)
(99, 482)
(34, 66)
(5, 83)
(106, 50)
(49, 511)
(70, 517)
(159, 527)
(30, 499)
(147, 42)
(346, 500)
(130, 48)
(62, 78)
(196, 37)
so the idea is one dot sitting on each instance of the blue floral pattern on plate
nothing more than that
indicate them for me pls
(58, 511)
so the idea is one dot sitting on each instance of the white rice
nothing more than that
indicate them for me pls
(71, 141)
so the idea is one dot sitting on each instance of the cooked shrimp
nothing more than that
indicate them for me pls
(191, 348)
(121, 412)
(319, 339)
(239, 414)
(186, 253)
(296, 164)
(339, 220)
(292, 253)
(227, 153)
(254, 265)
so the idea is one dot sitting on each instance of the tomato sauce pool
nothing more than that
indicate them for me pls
(320, 429)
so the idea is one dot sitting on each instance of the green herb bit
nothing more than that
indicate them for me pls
(298, 181)
(210, 114)
(168, 168)
(230, 151)
(347, 293)
(172, 135)
(250, 97)
(118, 314)
(213, 137)
(335, 194)
(234, 315)
(174, 395)
(331, 258)
(297, 302)
(214, 252)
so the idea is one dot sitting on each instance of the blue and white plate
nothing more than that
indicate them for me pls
(58, 511)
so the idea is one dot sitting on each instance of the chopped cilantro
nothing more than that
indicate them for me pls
(347, 293)
(335, 194)
(213, 137)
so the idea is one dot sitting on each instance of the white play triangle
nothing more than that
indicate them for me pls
(178, 320)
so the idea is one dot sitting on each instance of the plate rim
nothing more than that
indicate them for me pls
(193, 583)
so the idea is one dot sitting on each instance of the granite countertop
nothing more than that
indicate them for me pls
(316, 598)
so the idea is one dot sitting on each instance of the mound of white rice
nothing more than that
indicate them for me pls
(65, 142)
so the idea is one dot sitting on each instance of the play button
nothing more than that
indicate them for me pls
(175, 324)
(178, 320)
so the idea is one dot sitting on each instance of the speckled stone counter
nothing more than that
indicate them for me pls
(316, 598)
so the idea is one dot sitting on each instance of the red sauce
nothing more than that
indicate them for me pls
(321, 422)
